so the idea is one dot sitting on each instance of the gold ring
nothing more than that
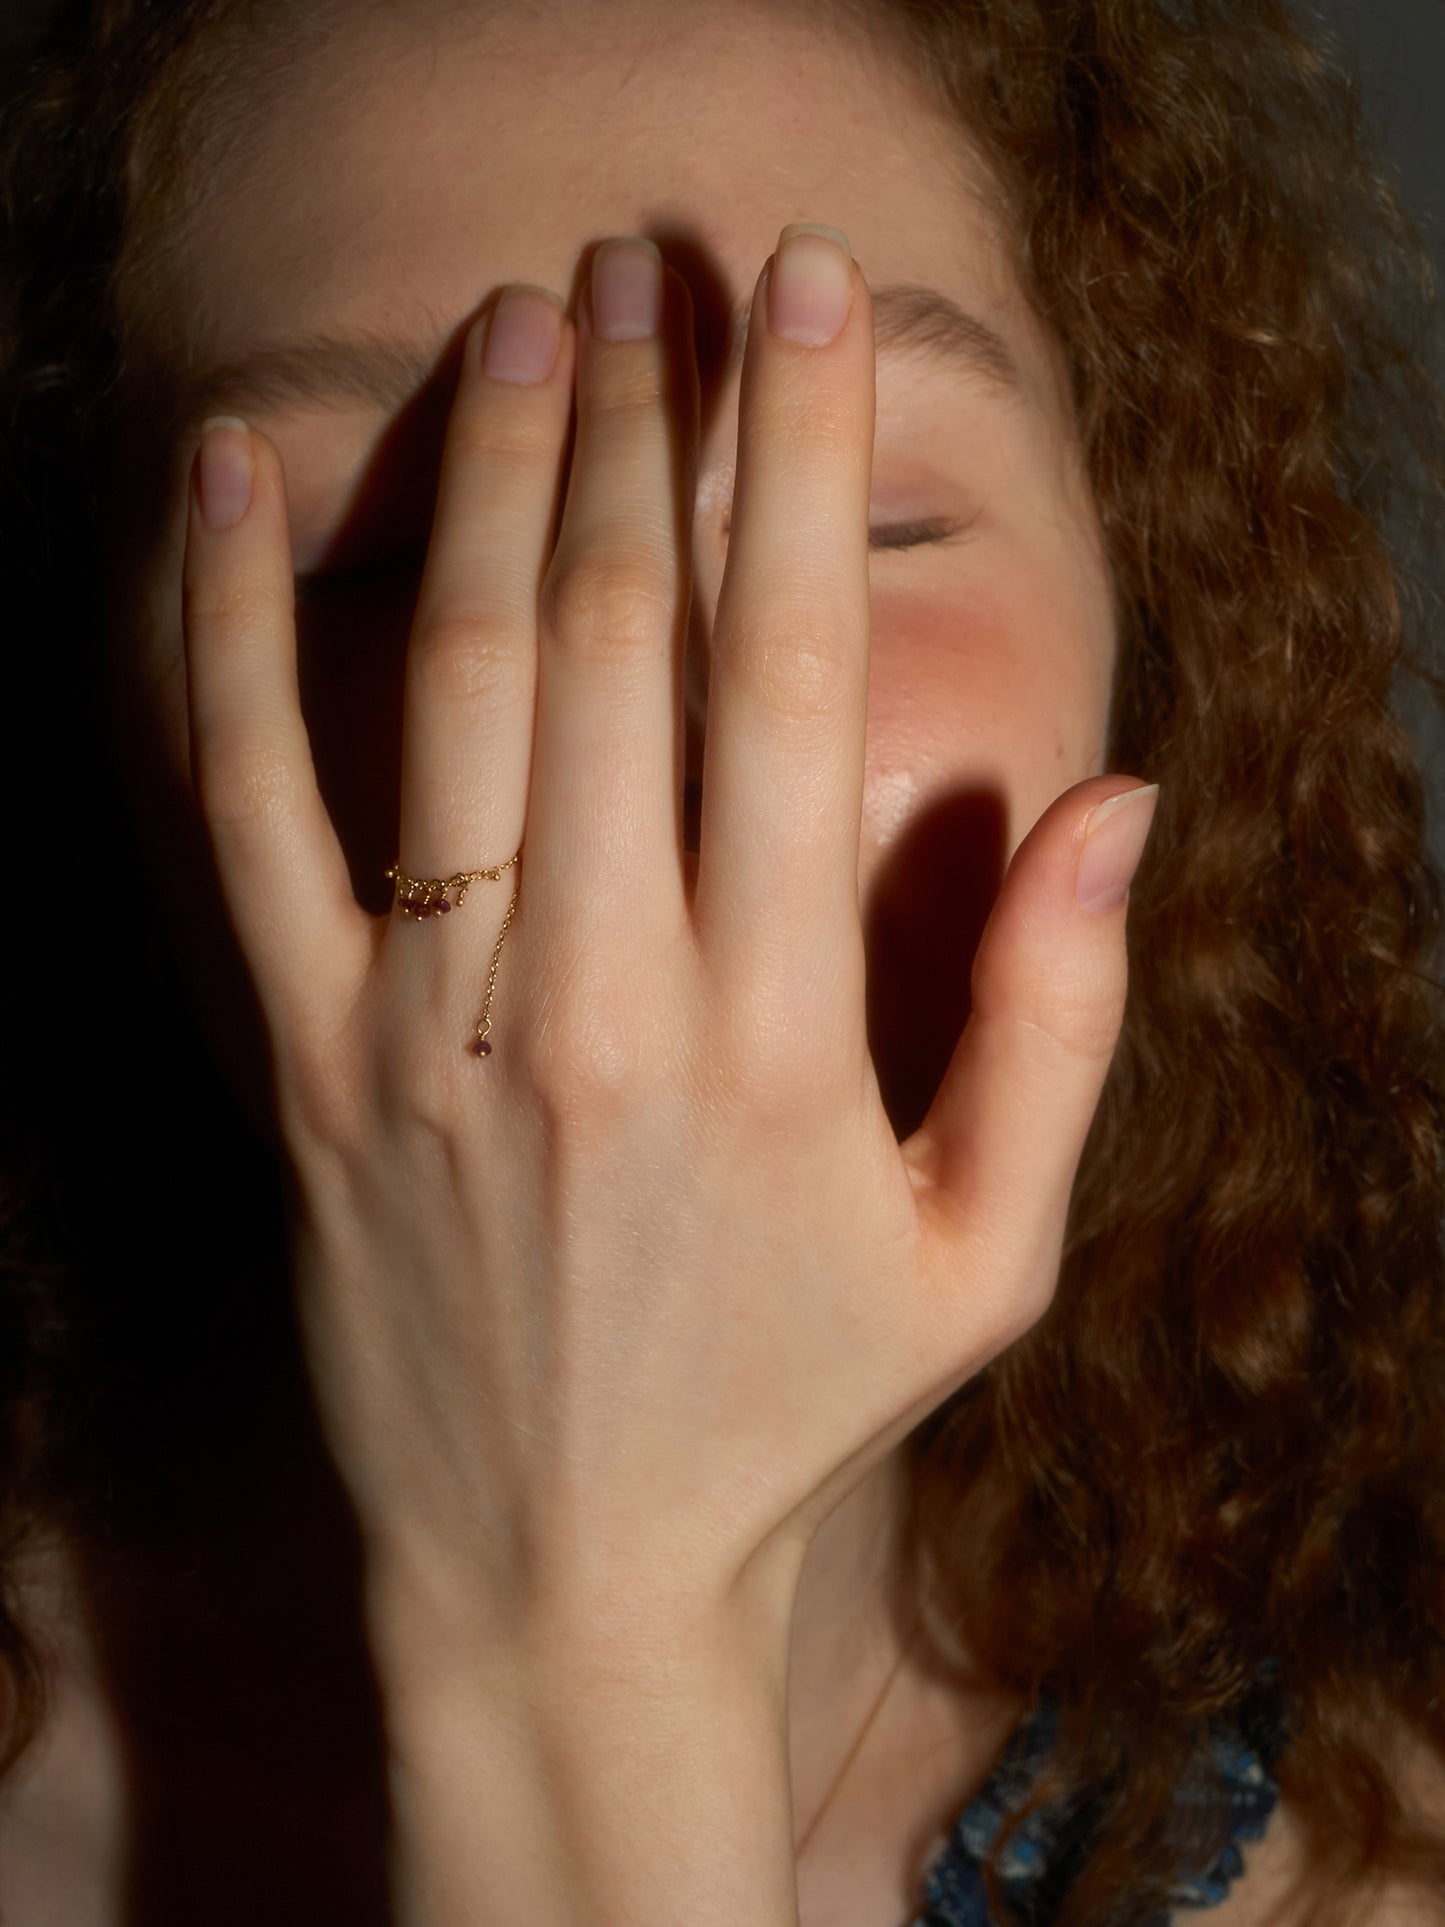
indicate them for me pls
(432, 897)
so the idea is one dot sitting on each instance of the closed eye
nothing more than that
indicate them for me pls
(899, 535)
(913, 535)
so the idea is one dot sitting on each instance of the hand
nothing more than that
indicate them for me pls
(608, 1321)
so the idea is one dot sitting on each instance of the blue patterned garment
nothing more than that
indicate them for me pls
(1233, 1779)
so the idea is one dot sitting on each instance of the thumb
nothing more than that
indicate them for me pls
(997, 1153)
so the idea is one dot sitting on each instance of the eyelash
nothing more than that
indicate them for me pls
(905, 535)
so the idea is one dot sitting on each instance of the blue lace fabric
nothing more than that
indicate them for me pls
(1231, 1794)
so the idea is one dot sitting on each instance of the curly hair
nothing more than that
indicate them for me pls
(1223, 1450)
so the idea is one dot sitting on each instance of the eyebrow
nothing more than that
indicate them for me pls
(387, 371)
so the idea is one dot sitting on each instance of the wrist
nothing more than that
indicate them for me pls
(587, 1775)
(565, 1671)
(426, 1629)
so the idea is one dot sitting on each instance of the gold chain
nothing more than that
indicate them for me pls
(431, 897)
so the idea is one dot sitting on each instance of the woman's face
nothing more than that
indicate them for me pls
(412, 162)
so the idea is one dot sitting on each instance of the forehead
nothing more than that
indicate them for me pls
(413, 159)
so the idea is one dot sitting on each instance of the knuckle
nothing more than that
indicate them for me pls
(224, 601)
(791, 667)
(582, 1074)
(1017, 1315)
(1061, 1012)
(240, 780)
(1005, 1299)
(590, 1057)
(798, 419)
(419, 1101)
(317, 1110)
(607, 603)
(780, 1071)
(462, 656)
(632, 394)
(1082, 1030)
(1036, 1300)
(485, 438)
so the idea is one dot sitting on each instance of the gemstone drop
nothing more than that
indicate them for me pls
(482, 1047)
(441, 904)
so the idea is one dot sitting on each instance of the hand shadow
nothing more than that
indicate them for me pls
(923, 918)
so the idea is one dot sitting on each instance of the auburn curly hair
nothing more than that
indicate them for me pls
(1220, 1458)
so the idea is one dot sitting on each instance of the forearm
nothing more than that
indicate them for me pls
(590, 1783)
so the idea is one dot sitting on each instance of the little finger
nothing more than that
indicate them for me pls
(281, 866)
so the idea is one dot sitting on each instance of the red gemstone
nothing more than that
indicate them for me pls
(482, 1047)
(441, 904)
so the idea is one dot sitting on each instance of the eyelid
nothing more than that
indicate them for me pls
(911, 535)
(932, 531)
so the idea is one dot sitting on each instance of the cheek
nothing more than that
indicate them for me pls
(985, 701)
(999, 686)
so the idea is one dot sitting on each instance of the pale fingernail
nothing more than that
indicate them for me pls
(523, 335)
(224, 471)
(626, 290)
(810, 289)
(1114, 840)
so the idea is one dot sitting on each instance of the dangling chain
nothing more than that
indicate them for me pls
(431, 897)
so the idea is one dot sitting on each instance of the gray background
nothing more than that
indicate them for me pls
(1400, 46)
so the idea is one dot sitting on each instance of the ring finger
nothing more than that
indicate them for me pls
(472, 657)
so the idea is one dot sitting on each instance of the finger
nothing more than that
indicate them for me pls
(471, 663)
(280, 863)
(995, 1159)
(782, 785)
(604, 821)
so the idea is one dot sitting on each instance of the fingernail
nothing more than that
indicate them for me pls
(223, 471)
(1114, 840)
(626, 290)
(810, 289)
(523, 335)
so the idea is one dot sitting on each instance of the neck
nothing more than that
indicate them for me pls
(938, 1731)
(848, 1633)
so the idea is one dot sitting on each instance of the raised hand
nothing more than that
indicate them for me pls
(607, 1321)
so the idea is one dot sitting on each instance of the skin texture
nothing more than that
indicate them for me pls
(399, 183)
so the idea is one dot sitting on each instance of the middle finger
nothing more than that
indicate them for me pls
(604, 818)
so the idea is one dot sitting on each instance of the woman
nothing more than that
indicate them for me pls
(832, 1368)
